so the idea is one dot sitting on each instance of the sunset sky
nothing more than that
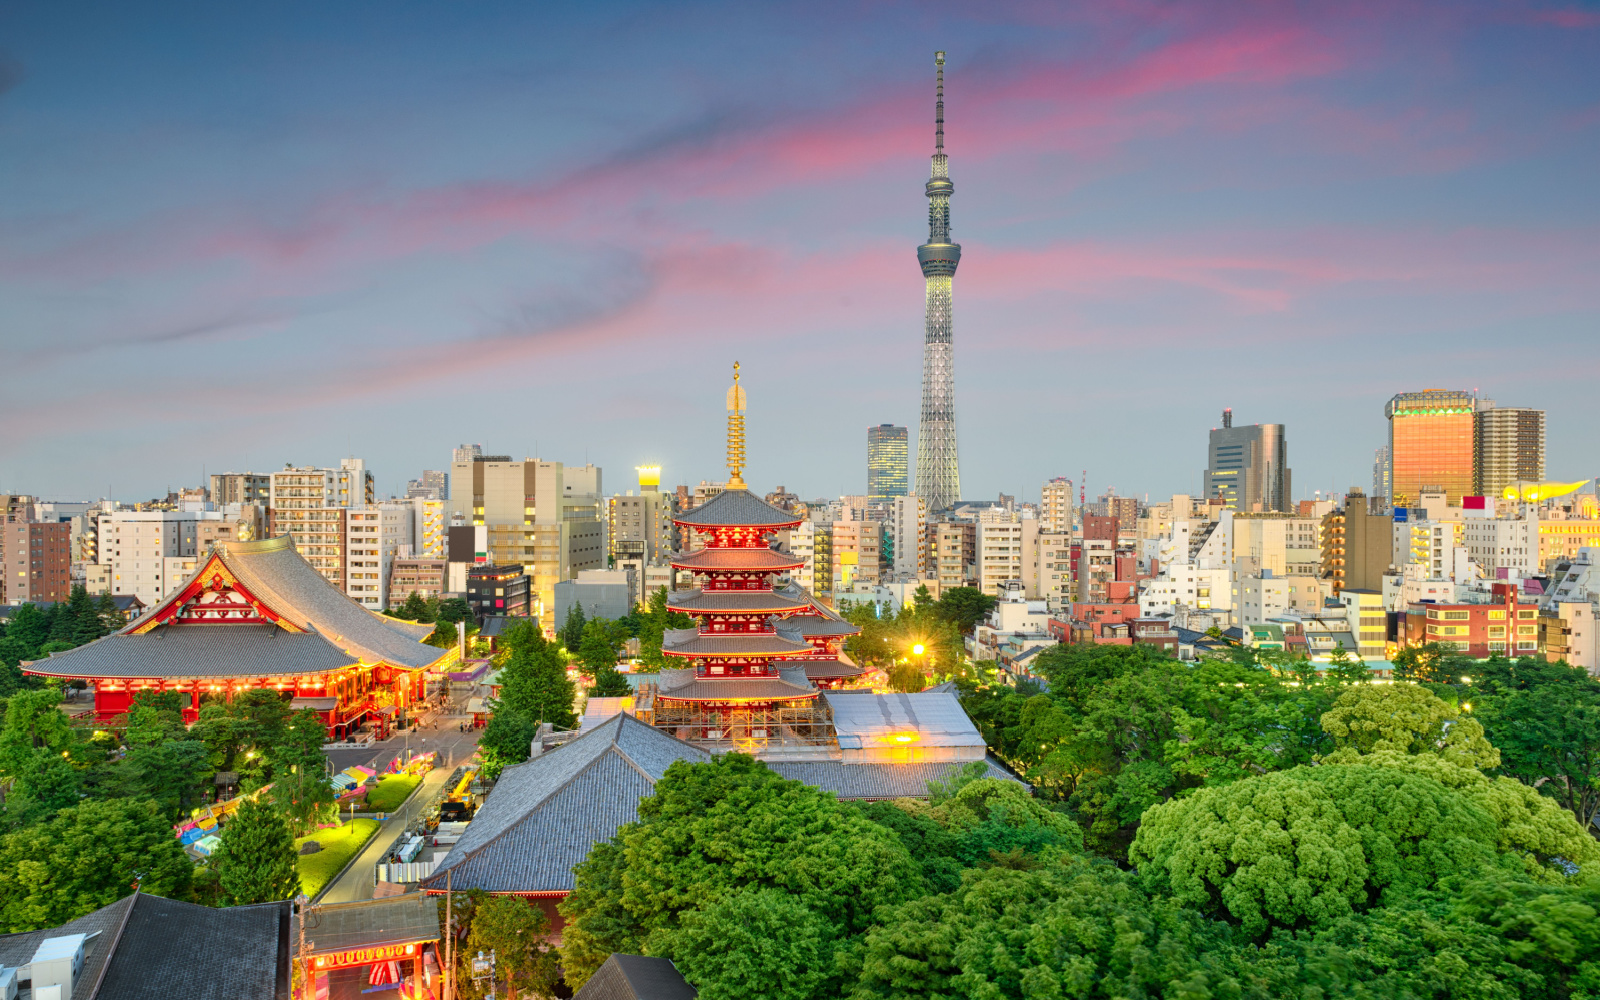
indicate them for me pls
(234, 236)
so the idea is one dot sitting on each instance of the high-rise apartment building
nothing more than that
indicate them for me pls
(856, 550)
(1283, 544)
(1247, 468)
(1002, 548)
(908, 527)
(953, 553)
(310, 504)
(887, 458)
(1508, 444)
(547, 517)
(1055, 505)
(1431, 444)
(37, 557)
(938, 466)
(240, 487)
(374, 537)
(639, 531)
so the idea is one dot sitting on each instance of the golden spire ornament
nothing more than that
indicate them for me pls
(736, 403)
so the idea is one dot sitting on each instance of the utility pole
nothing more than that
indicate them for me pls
(449, 940)
(308, 985)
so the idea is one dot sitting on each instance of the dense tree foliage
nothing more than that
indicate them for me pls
(33, 633)
(1238, 827)
(534, 682)
(84, 857)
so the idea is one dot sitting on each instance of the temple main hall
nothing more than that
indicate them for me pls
(257, 615)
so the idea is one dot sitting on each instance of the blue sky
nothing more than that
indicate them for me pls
(242, 237)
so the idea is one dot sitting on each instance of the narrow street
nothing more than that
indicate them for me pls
(454, 747)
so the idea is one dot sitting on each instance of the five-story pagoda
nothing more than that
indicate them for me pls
(743, 677)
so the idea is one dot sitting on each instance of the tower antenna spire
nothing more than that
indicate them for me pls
(736, 403)
(938, 107)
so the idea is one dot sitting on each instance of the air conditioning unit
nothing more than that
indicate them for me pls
(759, 734)
(713, 734)
(56, 963)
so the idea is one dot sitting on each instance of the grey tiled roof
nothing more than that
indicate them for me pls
(636, 977)
(544, 815)
(695, 688)
(731, 644)
(198, 651)
(876, 781)
(273, 569)
(832, 668)
(147, 946)
(17, 949)
(173, 949)
(809, 625)
(762, 559)
(735, 601)
(737, 508)
(366, 923)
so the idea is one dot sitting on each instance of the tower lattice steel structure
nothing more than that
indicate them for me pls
(938, 467)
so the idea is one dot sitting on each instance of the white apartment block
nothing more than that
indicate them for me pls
(1001, 546)
(1055, 506)
(374, 537)
(1510, 544)
(1051, 568)
(150, 553)
(908, 529)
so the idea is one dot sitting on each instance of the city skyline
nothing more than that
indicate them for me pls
(272, 251)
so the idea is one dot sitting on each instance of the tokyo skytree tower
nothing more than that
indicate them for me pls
(938, 469)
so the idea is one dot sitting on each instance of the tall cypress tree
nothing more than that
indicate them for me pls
(572, 628)
(256, 861)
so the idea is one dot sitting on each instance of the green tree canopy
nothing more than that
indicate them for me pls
(85, 857)
(256, 861)
(751, 943)
(964, 607)
(715, 828)
(534, 682)
(1308, 846)
(506, 740)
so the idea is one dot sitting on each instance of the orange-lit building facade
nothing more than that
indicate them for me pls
(1431, 444)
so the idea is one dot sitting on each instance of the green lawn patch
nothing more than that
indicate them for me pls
(339, 845)
(390, 791)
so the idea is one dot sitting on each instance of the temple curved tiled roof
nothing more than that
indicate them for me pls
(752, 602)
(276, 573)
(691, 642)
(684, 685)
(731, 560)
(820, 625)
(190, 650)
(832, 668)
(737, 508)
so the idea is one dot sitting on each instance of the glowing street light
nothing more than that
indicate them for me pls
(917, 649)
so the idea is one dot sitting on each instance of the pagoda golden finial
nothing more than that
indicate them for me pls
(735, 432)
